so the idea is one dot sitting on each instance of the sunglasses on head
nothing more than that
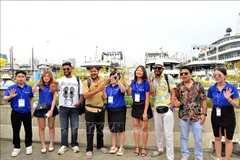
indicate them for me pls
(217, 75)
(66, 69)
(184, 73)
(158, 68)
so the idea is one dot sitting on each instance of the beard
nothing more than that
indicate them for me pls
(158, 73)
(67, 74)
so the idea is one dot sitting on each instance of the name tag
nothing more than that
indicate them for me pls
(110, 99)
(21, 103)
(218, 112)
(137, 97)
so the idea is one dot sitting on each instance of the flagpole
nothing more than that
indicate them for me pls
(32, 61)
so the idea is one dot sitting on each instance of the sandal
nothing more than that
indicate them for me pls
(120, 152)
(157, 153)
(136, 153)
(89, 155)
(142, 153)
(113, 150)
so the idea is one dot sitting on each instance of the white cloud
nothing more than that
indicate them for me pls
(73, 29)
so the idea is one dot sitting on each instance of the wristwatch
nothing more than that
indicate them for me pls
(205, 114)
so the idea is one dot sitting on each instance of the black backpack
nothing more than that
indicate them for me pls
(82, 99)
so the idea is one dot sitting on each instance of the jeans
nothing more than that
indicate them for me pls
(16, 120)
(92, 120)
(164, 123)
(197, 130)
(67, 114)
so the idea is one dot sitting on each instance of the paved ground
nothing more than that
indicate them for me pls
(6, 149)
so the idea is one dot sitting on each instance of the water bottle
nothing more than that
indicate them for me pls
(46, 115)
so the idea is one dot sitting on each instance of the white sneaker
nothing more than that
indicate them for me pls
(29, 150)
(195, 158)
(113, 150)
(75, 149)
(15, 152)
(184, 158)
(62, 150)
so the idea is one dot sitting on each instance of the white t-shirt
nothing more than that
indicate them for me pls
(69, 91)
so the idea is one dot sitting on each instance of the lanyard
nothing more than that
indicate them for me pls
(21, 94)
(136, 85)
(112, 90)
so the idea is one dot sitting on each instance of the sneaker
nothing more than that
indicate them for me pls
(62, 150)
(15, 152)
(89, 155)
(184, 158)
(75, 149)
(29, 150)
(195, 158)
(120, 152)
(103, 150)
(113, 150)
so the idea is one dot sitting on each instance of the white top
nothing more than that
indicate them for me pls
(6, 84)
(69, 91)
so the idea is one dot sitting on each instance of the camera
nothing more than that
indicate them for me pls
(116, 78)
(46, 115)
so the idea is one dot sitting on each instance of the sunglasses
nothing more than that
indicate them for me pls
(184, 73)
(158, 68)
(66, 69)
(217, 75)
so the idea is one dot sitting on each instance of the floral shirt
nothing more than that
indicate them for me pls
(162, 95)
(190, 98)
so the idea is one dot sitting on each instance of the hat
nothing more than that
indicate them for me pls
(158, 64)
(5, 76)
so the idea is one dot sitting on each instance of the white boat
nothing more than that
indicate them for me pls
(171, 64)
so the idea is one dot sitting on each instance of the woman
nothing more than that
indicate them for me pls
(224, 97)
(116, 107)
(141, 111)
(46, 96)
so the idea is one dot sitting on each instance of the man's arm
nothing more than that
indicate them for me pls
(100, 88)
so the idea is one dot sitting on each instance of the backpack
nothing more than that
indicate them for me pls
(166, 78)
(82, 99)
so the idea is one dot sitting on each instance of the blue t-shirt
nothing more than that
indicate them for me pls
(218, 97)
(118, 97)
(141, 89)
(45, 95)
(22, 93)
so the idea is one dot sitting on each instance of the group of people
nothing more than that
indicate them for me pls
(189, 96)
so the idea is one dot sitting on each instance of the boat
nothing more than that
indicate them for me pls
(171, 64)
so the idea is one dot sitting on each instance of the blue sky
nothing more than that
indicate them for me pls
(61, 30)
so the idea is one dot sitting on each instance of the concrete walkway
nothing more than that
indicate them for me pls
(6, 149)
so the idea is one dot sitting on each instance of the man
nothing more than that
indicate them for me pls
(192, 97)
(6, 81)
(163, 114)
(20, 96)
(68, 100)
(94, 115)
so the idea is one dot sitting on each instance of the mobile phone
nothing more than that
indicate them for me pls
(116, 78)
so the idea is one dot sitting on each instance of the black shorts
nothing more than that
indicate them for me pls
(117, 119)
(138, 109)
(227, 122)
(41, 113)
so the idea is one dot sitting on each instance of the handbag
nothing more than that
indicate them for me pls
(43, 106)
(162, 109)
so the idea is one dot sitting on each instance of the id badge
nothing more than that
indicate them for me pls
(218, 112)
(21, 103)
(110, 99)
(137, 97)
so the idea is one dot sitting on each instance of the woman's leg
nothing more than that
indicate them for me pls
(144, 135)
(122, 139)
(41, 125)
(51, 126)
(228, 147)
(218, 144)
(114, 138)
(136, 131)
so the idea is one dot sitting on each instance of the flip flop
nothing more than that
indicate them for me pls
(156, 153)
